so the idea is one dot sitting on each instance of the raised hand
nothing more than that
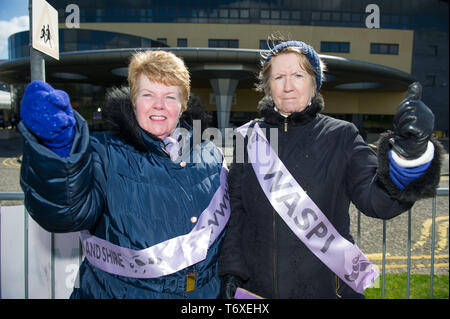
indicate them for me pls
(413, 124)
(48, 114)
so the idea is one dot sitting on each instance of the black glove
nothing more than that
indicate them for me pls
(413, 125)
(229, 285)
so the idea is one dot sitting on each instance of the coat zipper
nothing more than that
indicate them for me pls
(274, 225)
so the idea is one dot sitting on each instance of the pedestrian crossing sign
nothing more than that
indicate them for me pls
(45, 28)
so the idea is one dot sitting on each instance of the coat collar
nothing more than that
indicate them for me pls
(267, 111)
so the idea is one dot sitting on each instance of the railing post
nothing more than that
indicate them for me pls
(408, 282)
(26, 253)
(359, 229)
(433, 234)
(383, 262)
(52, 265)
(0, 249)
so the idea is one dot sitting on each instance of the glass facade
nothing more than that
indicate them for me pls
(398, 14)
(428, 19)
(81, 40)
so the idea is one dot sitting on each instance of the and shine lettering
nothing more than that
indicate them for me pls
(104, 254)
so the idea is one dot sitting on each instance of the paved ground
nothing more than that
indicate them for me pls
(371, 232)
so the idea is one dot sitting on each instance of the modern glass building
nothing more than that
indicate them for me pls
(373, 52)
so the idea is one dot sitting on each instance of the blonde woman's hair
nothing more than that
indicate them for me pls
(161, 67)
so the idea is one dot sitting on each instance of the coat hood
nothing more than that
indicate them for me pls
(120, 119)
(266, 110)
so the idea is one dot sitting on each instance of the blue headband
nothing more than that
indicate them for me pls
(306, 50)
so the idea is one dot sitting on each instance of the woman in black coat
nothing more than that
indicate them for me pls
(333, 165)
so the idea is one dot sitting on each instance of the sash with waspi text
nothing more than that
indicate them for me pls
(303, 216)
(169, 256)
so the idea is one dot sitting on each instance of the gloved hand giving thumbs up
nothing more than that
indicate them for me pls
(48, 114)
(413, 125)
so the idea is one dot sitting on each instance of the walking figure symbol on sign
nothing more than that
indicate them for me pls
(45, 35)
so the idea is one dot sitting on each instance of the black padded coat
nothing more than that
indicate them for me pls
(334, 165)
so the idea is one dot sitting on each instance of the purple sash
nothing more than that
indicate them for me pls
(303, 216)
(166, 257)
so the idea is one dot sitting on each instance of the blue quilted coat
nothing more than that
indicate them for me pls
(123, 188)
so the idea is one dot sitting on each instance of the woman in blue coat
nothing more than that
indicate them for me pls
(147, 201)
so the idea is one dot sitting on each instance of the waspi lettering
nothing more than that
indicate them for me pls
(290, 197)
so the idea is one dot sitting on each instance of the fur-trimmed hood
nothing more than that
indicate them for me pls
(120, 119)
(266, 110)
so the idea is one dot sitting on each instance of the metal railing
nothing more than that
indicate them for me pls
(43, 260)
(440, 192)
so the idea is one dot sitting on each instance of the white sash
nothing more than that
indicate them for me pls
(169, 256)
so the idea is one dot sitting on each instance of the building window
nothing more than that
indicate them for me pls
(213, 13)
(223, 43)
(346, 17)
(338, 47)
(336, 16)
(431, 80)
(162, 13)
(234, 13)
(264, 44)
(275, 14)
(244, 13)
(384, 48)
(183, 12)
(223, 13)
(162, 40)
(357, 18)
(182, 43)
(295, 15)
(315, 16)
(285, 15)
(432, 50)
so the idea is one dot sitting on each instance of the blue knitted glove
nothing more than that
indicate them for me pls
(48, 114)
